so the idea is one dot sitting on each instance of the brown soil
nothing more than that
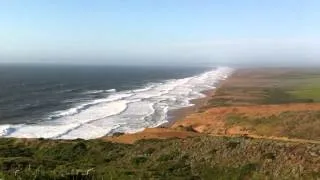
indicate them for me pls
(151, 133)
(213, 120)
(182, 113)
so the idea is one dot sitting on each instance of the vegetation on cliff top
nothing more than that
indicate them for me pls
(202, 157)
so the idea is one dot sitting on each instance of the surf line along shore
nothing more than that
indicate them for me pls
(196, 104)
(165, 131)
(93, 123)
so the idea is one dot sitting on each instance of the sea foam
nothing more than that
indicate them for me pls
(126, 111)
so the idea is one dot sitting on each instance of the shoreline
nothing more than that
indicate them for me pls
(166, 130)
(205, 141)
(181, 113)
(90, 120)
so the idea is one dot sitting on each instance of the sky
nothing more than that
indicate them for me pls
(160, 31)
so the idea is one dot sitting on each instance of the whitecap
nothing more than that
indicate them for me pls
(101, 91)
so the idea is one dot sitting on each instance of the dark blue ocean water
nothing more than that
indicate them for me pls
(30, 93)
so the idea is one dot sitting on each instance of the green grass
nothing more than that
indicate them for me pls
(193, 158)
(273, 95)
(304, 86)
(292, 124)
(295, 86)
(313, 93)
(309, 89)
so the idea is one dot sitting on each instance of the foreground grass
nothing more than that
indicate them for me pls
(192, 158)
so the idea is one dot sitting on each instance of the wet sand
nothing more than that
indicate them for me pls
(179, 114)
(165, 131)
(182, 113)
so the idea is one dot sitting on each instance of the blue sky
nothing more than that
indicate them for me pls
(180, 30)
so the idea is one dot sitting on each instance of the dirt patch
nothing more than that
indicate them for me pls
(151, 133)
(179, 114)
(274, 120)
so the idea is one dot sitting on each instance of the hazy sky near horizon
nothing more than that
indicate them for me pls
(158, 31)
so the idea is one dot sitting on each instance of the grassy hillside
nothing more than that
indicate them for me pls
(292, 124)
(268, 86)
(203, 157)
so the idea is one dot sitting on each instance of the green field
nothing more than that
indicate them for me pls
(291, 124)
(272, 86)
(309, 88)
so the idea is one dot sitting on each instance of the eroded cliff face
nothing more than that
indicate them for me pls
(287, 120)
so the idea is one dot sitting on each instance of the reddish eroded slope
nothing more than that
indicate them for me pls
(151, 133)
(219, 120)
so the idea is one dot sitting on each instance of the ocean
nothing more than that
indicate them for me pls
(69, 102)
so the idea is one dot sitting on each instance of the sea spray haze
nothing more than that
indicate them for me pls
(90, 102)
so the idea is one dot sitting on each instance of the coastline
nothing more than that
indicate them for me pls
(277, 136)
(98, 117)
(247, 93)
(181, 113)
(167, 130)
(177, 115)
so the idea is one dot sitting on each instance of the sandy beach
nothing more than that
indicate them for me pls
(179, 114)
(165, 131)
